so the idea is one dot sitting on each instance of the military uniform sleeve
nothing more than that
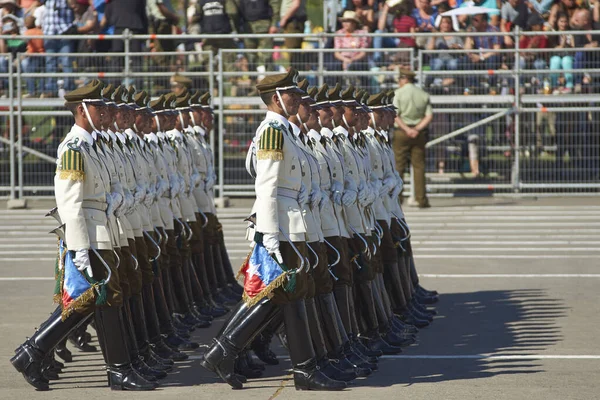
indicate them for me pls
(268, 164)
(69, 192)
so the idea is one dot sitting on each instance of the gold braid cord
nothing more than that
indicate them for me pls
(267, 291)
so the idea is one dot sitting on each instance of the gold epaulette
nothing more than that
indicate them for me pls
(71, 165)
(270, 145)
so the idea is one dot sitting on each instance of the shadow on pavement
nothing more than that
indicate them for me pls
(470, 327)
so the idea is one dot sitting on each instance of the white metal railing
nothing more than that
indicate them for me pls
(238, 114)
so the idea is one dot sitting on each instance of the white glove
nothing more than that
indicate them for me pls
(400, 183)
(162, 187)
(114, 201)
(388, 185)
(139, 194)
(315, 196)
(302, 195)
(337, 190)
(349, 197)
(271, 243)
(210, 179)
(374, 188)
(195, 179)
(183, 188)
(363, 192)
(174, 186)
(128, 203)
(150, 196)
(324, 199)
(82, 262)
(396, 192)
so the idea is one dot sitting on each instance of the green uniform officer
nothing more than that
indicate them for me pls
(414, 116)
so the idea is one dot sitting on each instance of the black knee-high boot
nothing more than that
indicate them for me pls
(239, 330)
(307, 375)
(29, 356)
(121, 376)
(332, 370)
(369, 311)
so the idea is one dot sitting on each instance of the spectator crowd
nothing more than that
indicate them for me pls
(351, 52)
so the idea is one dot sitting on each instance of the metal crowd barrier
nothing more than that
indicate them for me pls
(530, 138)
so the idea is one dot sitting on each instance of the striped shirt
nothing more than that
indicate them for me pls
(58, 17)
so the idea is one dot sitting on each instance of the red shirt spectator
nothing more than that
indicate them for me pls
(405, 24)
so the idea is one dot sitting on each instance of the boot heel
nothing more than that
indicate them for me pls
(20, 361)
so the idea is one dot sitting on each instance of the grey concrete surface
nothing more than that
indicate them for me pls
(518, 312)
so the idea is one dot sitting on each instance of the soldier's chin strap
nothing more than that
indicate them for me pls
(346, 123)
(282, 104)
(181, 120)
(302, 122)
(192, 118)
(373, 120)
(320, 124)
(117, 126)
(87, 115)
(157, 123)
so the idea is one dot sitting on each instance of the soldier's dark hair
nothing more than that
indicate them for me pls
(72, 107)
(267, 98)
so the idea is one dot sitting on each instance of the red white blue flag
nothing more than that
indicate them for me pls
(262, 275)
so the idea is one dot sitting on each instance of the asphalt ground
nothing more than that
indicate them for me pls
(518, 311)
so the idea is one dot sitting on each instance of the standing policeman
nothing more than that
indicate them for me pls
(414, 116)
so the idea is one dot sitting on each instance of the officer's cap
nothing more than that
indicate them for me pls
(90, 93)
(158, 105)
(363, 100)
(406, 73)
(377, 101)
(140, 100)
(195, 99)
(182, 103)
(129, 98)
(119, 95)
(322, 97)
(390, 99)
(287, 81)
(181, 80)
(334, 95)
(205, 100)
(348, 96)
(170, 100)
(107, 93)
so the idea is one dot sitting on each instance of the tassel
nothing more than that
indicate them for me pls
(101, 299)
(290, 286)
(57, 278)
(79, 303)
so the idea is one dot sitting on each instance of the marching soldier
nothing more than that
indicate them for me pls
(82, 184)
(280, 193)
(319, 279)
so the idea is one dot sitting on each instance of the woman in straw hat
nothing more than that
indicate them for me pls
(349, 46)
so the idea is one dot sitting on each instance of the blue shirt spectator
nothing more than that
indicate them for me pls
(425, 15)
(100, 6)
